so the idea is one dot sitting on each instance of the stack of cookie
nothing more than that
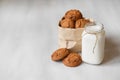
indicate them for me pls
(73, 19)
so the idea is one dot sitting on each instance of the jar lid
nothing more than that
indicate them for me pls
(93, 28)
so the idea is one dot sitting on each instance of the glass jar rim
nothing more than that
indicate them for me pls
(94, 27)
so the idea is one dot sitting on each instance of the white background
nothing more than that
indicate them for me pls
(28, 36)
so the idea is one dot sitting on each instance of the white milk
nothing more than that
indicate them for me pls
(93, 40)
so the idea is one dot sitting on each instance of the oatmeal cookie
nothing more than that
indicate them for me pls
(80, 23)
(59, 54)
(67, 23)
(72, 60)
(73, 14)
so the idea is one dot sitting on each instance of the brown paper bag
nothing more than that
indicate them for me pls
(70, 38)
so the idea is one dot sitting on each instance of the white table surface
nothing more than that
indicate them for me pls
(28, 36)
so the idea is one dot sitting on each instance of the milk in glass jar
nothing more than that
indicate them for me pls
(93, 42)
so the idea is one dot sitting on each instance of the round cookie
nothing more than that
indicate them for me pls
(80, 23)
(72, 60)
(73, 14)
(59, 54)
(67, 23)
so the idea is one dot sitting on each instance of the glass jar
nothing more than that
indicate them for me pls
(93, 41)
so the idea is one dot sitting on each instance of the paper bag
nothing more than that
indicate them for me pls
(70, 38)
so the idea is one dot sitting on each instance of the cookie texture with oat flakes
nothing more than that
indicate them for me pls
(73, 14)
(72, 60)
(67, 23)
(80, 23)
(59, 54)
